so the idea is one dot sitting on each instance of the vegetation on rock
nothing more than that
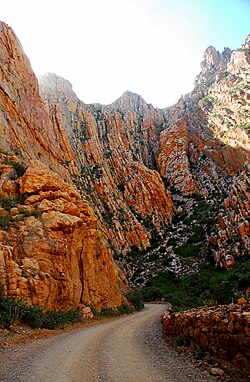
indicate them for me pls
(164, 192)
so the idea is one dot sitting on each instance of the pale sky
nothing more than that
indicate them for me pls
(105, 47)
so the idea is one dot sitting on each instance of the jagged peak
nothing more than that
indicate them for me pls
(130, 101)
(211, 59)
(246, 44)
(212, 63)
(50, 82)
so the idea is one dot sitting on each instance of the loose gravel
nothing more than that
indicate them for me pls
(129, 349)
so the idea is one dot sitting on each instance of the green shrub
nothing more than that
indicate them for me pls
(135, 297)
(14, 311)
(164, 280)
(54, 319)
(21, 198)
(73, 316)
(173, 241)
(4, 220)
(32, 316)
(121, 188)
(27, 213)
(58, 319)
(201, 207)
(166, 262)
(10, 311)
(187, 250)
(178, 341)
(8, 202)
(19, 168)
(134, 251)
(125, 309)
(36, 213)
(199, 352)
(109, 312)
(24, 212)
(153, 257)
(208, 284)
(152, 293)
(198, 234)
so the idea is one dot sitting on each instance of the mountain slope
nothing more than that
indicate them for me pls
(158, 190)
(51, 249)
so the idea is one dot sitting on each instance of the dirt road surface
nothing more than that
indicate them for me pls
(129, 349)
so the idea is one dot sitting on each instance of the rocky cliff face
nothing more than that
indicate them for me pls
(51, 249)
(196, 146)
(165, 188)
(25, 127)
(114, 151)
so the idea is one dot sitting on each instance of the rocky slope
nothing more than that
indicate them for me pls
(113, 148)
(197, 146)
(157, 189)
(51, 250)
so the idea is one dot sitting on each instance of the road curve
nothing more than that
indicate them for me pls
(129, 349)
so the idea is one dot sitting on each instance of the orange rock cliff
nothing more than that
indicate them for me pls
(82, 185)
(52, 251)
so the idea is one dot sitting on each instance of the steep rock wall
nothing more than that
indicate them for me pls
(57, 258)
(114, 151)
(52, 250)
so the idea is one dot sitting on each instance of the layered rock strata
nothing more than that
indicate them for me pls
(52, 251)
(117, 170)
(114, 150)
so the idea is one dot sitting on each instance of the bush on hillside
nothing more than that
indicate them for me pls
(136, 298)
(209, 284)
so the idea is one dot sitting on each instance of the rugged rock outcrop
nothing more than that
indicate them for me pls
(52, 251)
(231, 233)
(25, 127)
(114, 150)
(116, 176)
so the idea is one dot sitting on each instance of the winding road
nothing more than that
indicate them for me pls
(129, 349)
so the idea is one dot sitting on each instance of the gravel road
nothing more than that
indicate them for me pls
(129, 349)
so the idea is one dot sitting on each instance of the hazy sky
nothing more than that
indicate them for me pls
(105, 47)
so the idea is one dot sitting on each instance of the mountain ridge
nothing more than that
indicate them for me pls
(128, 180)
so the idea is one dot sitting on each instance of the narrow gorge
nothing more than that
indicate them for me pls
(97, 198)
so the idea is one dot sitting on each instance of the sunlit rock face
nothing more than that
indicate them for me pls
(25, 127)
(51, 250)
(195, 146)
(115, 153)
(99, 181)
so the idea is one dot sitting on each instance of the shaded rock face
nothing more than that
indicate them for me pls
(232, 231)
(115, 177)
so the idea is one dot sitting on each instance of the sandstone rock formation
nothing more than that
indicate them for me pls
(51, 250)
(53, 253)
(105, 181)
(113, 148)
(25, 126)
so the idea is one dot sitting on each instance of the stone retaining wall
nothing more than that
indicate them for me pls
(223, 331)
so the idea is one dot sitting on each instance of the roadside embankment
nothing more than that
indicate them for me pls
(223, 331)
